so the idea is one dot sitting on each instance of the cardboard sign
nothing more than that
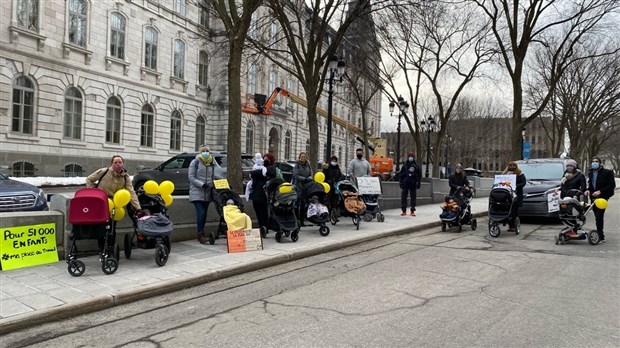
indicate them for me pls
(506, 180)
(244, 240)
(553, 202)
(24, 246)
(221, 184)
(368, 185)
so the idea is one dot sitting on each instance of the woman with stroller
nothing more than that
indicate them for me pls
(332, 176)
(458, 180)
(260, 177)
(573, 179)
(302, 176)
(201, 175)
(513, 168)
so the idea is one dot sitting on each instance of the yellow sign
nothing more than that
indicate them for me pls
(221, 184)
(24, 246)
(244, 240)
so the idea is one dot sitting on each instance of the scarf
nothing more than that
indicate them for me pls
(569, 176)
(206, 161)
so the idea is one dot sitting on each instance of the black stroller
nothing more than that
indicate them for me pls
(373, 210)
(151, 231)
(502, 202)
(460, 213)
(89, 214)
(220, 197)
(573, 215)
(282, 208)
(314, 207)
(349, 203)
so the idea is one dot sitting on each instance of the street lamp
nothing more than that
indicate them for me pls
(428, 127)
(403, 106)
(336, 71)
(448, 140)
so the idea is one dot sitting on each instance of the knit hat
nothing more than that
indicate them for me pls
(571, 163)
(410, 154)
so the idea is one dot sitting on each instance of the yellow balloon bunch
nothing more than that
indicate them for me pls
(326, 187)
(151, 187)
(117, 205)
(319, 177)
(165, 190)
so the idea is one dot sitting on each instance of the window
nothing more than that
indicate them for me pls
(28, 14)
(77, 22)
(23, 106)
(23, 169)
(179, 59)
(252, 31)
(73, 114)
(175, 130)
(273, 78)
(308, 146)
(203, 68)
(147, 121)
(249, 137)
(287, 145)
(73, 170)
(289, 87)
(204, 14)
(180, 7)
(273, 39)
(252, 78)
(150, 48)
(117, 36)
(201, 126)
(113, 121)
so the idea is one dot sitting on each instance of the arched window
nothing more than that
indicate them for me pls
(203, 68)
(73, 114)
(113, 121)
(288, 139)
(201, 126)
(175, 130)
(179, 59)
(23, 169)
(249, 137)
(150, 48)
(73, 170)
(117, 35)
(252, 78)
(23, 106)
(78, 10)
(147, 122)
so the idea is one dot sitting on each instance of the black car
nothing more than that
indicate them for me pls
(20, 196)
(542, 174)
(176, 169)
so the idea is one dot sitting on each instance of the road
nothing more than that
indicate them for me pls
(430, 288)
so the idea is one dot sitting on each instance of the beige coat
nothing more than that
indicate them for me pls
(113, 182)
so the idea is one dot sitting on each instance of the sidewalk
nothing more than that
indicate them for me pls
(34, 295)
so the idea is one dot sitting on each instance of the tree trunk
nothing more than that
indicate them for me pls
(234, 173)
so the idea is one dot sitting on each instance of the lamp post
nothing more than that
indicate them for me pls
(448, 140)
(403, 106)
(336, 71)
(428, 127)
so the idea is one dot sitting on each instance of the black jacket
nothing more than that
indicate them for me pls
(410, 178)
(456, 180)
(604, 182)
(332, 175)
(578, 182)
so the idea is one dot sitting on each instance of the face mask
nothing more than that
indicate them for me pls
(118, 167)
(595, 165)
(333, 163)
(205, 154)
(410, 159)
(359, 155)
(266, 162)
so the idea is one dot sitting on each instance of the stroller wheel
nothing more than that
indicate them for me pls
(161, 255)
(380, 217)
(593, 237)
(494, 230)
(295, 236)
(127, 245)
(368, 217)
(76, 268)
(109, 265)
(443, 226)
(211, 238)
(324, 231)
(333, 217)
(279, 237)
(474, 224)
(168, 244)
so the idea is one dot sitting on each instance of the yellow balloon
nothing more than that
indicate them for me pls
(110, 205)
(326, 187)
(166, 187)
(151, 187)
(121, 198)
(119, 214)
(319, 177)
(285, 188)
(167, 199)
(600, 203)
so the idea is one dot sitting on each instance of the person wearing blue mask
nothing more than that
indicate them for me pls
(601, 184)
(201, 175)
(410, 176)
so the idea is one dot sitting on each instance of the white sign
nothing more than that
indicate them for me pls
(553, 202)
(368, 185)
(506, 180)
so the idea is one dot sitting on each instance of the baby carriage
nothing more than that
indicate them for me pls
(573, 215)
(372, 208)
(220, 199)
(316, 212)
(457, 211)
(501, 209)
(282, 208)
(152, 230)
(349, 203)
(90, 216)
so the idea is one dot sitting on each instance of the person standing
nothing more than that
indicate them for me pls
(332, 176)
(358, 166)
(458, 180)
(260, 177)
(302, 176)
(601, 184)
(410, 174)
(513, 168)
(201, 175)
(573, 179)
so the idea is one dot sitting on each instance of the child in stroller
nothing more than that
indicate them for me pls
(349, 203)
(314, 196)
(572, 214)
(502, 200)
(456, 211)
(89, 214)
(152, 227)
(221, 197)
(282, 208)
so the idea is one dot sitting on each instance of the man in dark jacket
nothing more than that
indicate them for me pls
(410, 174)
(601, 184)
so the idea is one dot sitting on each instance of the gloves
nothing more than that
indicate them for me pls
(205, 185)
(400, 184)
(139, 213)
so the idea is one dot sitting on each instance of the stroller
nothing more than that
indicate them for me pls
(349, 203)
(372, 208)
(316, 212)
(457, 211)
(502, 202)
(220, 197)
(282, 207)
(573, 215)
(90, 216)
(150, 231)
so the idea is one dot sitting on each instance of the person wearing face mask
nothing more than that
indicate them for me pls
(260, 177)
(458, 180)
(201, 174)
(513, 168)
(359, 166)
(410, 175)
(601, 184)
(302, 176)
(332, 176)
(573, 179)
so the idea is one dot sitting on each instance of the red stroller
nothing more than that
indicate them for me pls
(89, 214)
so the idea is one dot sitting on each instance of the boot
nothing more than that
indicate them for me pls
(201, 238)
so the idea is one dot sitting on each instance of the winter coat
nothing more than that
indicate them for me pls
(359, 167)
(410, 175)
(199, 174)
(332, 175)
(576, 182)
(260, 177)
(111, 182)
(521, 181)
(605, 183)
(457, 180)
(302, 175)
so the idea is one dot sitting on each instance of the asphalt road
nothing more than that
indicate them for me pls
(430, 288)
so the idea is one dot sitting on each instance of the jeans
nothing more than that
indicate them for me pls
(201, 214)
(403, 198)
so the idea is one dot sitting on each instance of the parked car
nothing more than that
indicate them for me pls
(287, 170)
(20, 196)
(472, 172)
(542, 174)
(176, 169)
